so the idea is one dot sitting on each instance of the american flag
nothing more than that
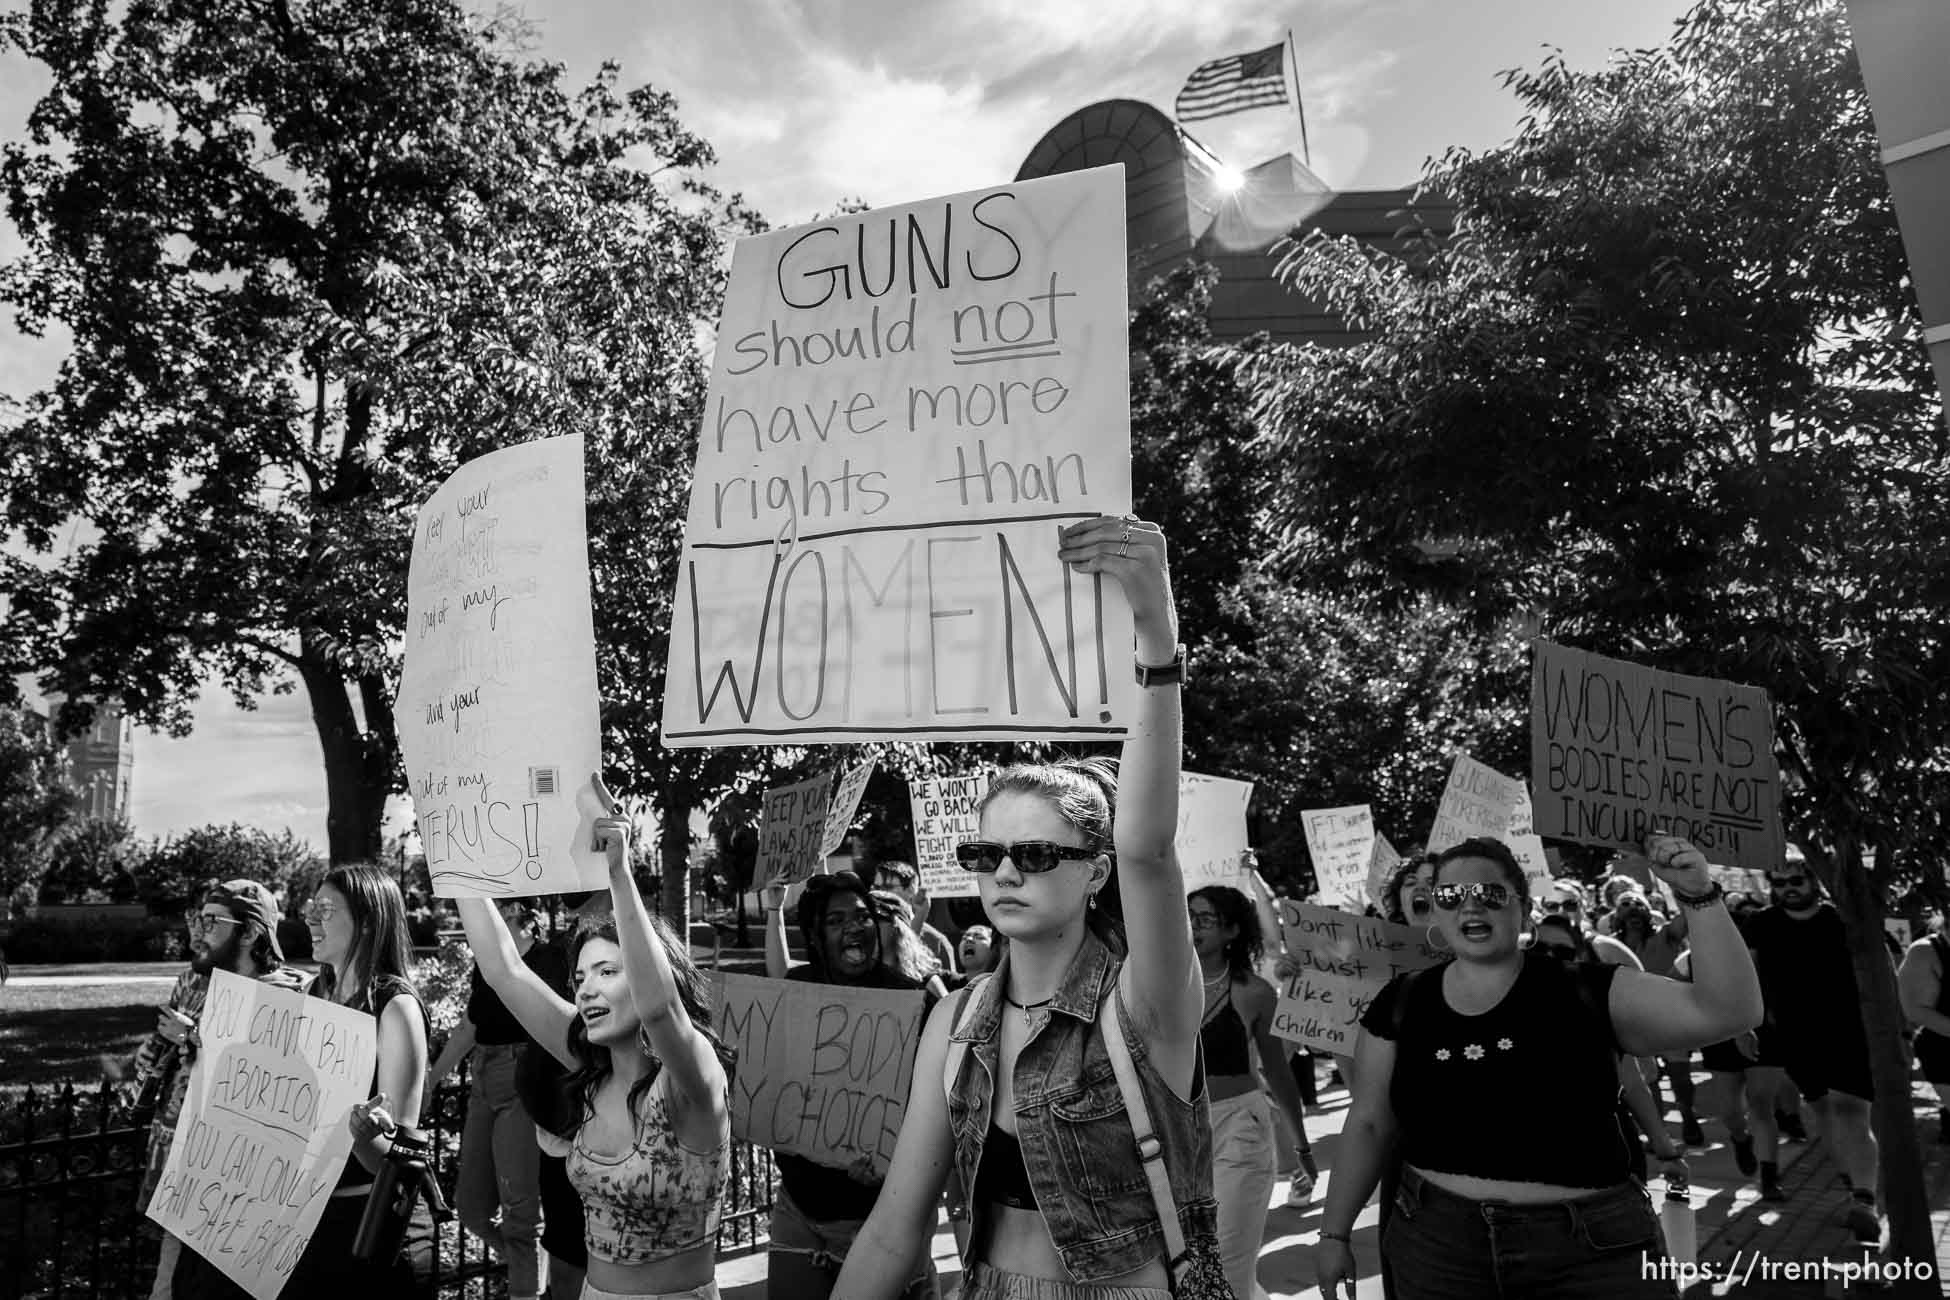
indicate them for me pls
(1234, 84)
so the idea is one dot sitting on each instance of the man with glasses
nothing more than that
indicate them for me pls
(235, 929)
(1812, 1035)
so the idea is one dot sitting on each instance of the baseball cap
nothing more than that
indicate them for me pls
(251, 901)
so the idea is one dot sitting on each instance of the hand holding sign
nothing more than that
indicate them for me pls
(371, 1120)
(1131, 550)
(1678, 863)
(612, 832)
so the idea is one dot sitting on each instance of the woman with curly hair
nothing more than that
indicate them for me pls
(1239, 1020)
(649, 1086)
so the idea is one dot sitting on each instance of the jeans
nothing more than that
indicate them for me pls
(804, 1258)
(500, 1169)
(981, 1282)
(1598, 1247)
(1243, 1141)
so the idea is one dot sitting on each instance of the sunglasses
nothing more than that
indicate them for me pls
(1493, 896)
(1032, 857)
(1205, 921)
(1787, 882)
(1559, 905)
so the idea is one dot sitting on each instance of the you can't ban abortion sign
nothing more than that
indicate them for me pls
(905, 407)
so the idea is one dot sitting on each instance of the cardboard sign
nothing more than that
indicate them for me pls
(1481, 801)
(497, 698)
(1344, 960)
(1741, 880)
(1342, 844)
(845, 807)
(944, 816)
(1621, 751)
(792, 830)
(823, 1069)
(1212, 837)
(1381, 864)
(264, 1129)
(905, 405)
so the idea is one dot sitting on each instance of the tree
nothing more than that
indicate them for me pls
(1664, 392)
(312, 259)
(35, 801)
(172, 869)
(91, 861)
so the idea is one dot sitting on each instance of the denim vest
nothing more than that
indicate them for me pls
(1076, 1139)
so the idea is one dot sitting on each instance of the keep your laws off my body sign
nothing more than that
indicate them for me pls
(1344, 961)
(1620, 752)
(263, 1133)
(823, 1069)
(905, 407)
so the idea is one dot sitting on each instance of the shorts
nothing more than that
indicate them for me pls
(1933, 1054)
(709, 1291)
(981, 1282)
(1839, 1063)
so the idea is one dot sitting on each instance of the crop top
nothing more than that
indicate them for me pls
(1002, 1178)
(1455, 1074)
(1223, 1037)
(656, 1200)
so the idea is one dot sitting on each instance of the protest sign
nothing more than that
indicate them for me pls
(1341, 842)
(944, 816)
(263, 1132)
(905, 406)
(846, 803)
(1621, 751)
(1481, 801)
(1344, 961)
(1212, 838)
(823, 1069)
(792, 830)
(1741, 880)
(497, 697)
(1381, 864)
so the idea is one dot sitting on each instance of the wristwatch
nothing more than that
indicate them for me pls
(1164, 674)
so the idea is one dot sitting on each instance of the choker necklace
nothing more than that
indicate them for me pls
(1027, 1007)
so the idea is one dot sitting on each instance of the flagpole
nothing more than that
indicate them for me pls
(1299, 106)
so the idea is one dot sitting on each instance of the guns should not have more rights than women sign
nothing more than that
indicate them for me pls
(905, 406)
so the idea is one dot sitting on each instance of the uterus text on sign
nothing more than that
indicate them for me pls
(905, 407)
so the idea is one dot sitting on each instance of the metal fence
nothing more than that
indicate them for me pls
(71, 1163)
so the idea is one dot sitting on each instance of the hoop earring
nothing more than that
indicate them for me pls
(1436, 940)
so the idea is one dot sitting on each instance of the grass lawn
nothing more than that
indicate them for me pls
(62, 1034)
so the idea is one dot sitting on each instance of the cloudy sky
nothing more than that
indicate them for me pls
(812, 101)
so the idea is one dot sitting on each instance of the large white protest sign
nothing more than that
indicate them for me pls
(497, 699)
(944, 816)
(823, 1069)
(1212, 835)
(1381, 864)
(847, 792)
(1481, 801)
(1344, 961)
(905, 406)
(263, 1132)
(1341, 842)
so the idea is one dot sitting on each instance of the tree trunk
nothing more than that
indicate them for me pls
(674, 856)
(1903, 1197)
(358, 768)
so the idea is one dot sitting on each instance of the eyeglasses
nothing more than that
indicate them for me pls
(317, 911)
(1032, 857)
(1787, 882)
(1560, 905)
(1205, 921)
(199, 922)
(1491, 895)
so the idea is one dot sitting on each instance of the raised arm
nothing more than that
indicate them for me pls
(778, 955)
(1161, 978)
(540, 1010)
(1652, 1015)
(693, 1063)
(881, 1261)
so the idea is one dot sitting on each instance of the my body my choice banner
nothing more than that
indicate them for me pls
(264, 1131)
(1620, 751)
(823, 1069)
(905, 406)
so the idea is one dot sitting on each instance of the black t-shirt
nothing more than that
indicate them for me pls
(1525, 1092)
(494, 1024)
(820, 1191)
(1806, 975)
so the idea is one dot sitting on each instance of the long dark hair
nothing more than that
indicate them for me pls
(814, 902)
(594, 1062)
(382, 952)
(1237, 911)
(1084, 793)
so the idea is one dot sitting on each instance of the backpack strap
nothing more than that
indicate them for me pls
(1110, 1022)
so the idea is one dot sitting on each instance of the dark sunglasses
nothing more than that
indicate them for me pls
(1560, 905)
(1787, 882)
(1032, 857)
(1493, 896)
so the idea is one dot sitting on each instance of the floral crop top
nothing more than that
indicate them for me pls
(656, 1200)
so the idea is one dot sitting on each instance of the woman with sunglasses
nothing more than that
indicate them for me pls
(1486, 1209)
(649, 1088)
(1014, 1085)
(819, 1210)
